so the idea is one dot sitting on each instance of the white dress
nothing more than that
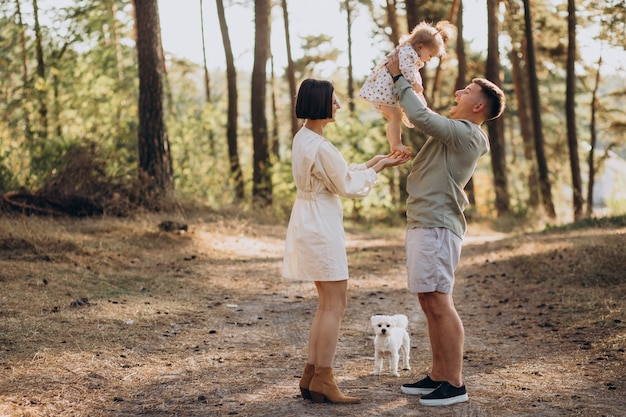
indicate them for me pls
(315, 248)
(378, 88)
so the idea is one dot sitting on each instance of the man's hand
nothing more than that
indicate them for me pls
(393, 64)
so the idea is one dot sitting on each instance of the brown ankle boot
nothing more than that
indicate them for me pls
(324, 388)
(307, 376)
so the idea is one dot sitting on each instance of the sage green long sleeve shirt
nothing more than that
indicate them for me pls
(442, 167)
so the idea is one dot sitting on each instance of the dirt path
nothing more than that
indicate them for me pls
(201, 324)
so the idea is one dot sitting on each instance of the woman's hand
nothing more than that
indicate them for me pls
(380, 162)
(375, 160)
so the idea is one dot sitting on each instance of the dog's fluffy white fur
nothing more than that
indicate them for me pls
(391, 339)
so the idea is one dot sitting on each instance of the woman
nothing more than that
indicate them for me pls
(315, 243)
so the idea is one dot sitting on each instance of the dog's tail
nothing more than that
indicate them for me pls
(402, 321)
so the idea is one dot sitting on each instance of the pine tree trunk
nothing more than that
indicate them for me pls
(154, 151)
(570, 112)
(496, 127)
(41, 75)
(392, 20)
(207, 75)
(412, 14)
(526, 127)
(261, 175)
(349, 7)
(274, 143)
(594, 140)
(461, 82)
(535, 108)
(291, 76)
(26, 87)
(453, 16)
(231, 129)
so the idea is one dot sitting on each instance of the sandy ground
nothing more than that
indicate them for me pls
(116, 318)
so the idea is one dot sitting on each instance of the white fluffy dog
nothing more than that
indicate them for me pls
(391, 338)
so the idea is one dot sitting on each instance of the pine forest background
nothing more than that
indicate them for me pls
(98, 118)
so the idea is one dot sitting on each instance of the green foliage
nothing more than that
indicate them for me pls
(358, 140)
(613, 222)
(7, 179)
(90, 91)
(90, 88)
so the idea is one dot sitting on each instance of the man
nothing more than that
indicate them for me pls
(436, 223)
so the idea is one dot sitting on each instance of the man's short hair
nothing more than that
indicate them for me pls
(494, 95)
(315, 100)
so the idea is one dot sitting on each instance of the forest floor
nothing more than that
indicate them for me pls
(113, 317)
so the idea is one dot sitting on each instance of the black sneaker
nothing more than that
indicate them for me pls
(446, 394)
(423, 386)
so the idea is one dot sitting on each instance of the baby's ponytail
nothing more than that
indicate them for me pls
(445, 29)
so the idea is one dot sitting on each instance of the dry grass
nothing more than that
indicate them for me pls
(112, 317)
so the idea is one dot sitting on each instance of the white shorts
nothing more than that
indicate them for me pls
(432, 255)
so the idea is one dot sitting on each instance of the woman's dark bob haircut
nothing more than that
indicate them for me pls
(315, 100)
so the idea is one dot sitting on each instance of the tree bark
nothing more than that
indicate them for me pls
(570, 111)
(392, 19)
(207, 75)
(349, 8)
(412, 14)
(535, 108)
(274, 142)
(594, 140)
(261, 176)
(291, 75)
(526, 127)
(41, 75)
(461, 82)
(114, 32)
(26, 87)
(453, 15)
(496, 127)
(231, 124)
(154, 151)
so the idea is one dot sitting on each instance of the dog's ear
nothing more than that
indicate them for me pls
(373, 319)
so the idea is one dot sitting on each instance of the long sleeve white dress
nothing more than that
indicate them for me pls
(315, 246)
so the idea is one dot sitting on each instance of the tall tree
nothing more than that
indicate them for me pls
(114, 33)
(593, 139)
(453, 15)
(519, 75)
(525, 124)
(291, 74)
(261, 175)
(26, 88)
(533, 84)
(570, 111)
(461, 77)
(155, 160)
(274, 143)
(207, 80)
(461, 80)
(412, 14)
(231, 124)
(392, 20)
(41, 77)
(207, 75)
(496, 127)
(350, 8)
